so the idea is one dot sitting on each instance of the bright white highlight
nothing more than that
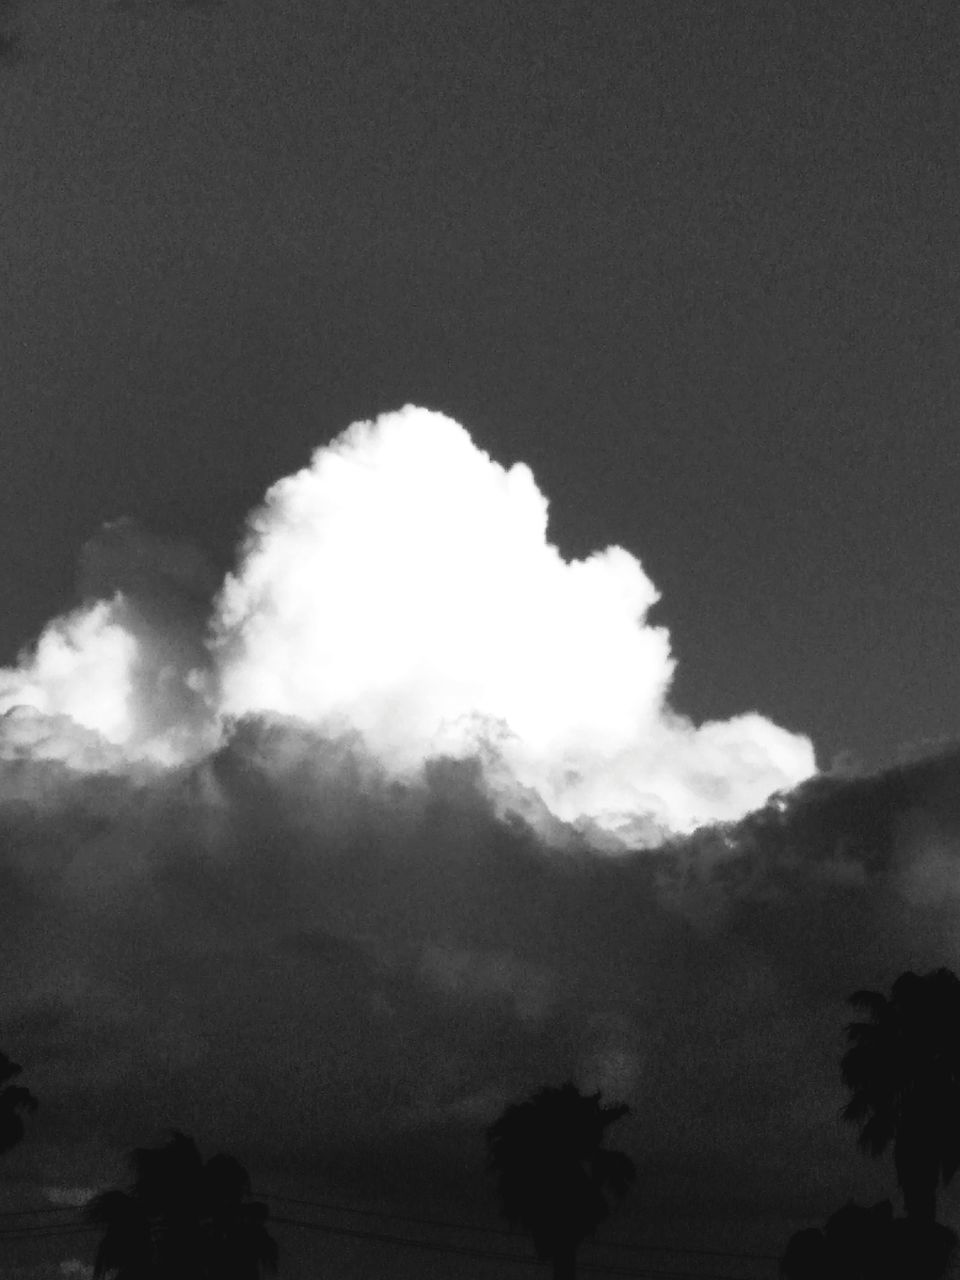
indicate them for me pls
(81, 668)
(403, 587)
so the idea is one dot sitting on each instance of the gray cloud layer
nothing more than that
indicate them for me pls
(295, 957)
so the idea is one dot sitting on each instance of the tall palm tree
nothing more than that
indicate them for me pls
(182, 1219)
(14, 1100)
(553, 1171)
(903, 1071)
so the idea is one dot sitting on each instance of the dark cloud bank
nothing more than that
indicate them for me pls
(342, 978)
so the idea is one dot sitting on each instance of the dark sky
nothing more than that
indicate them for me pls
(695, 263)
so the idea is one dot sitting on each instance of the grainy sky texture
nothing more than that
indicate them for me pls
(694, 264)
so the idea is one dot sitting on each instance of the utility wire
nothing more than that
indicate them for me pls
(47, 1208)
(59, 1230)
(392, 1217)
(513, 1235)
(44, 1231)
(47, 1230)
(464, 1251)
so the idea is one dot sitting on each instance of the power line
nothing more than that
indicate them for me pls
(59, 1230)
(47, 1231)
(465, 1251)
(47, 1208)
(391, 1217)
(513, 1235)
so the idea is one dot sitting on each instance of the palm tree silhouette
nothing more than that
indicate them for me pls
(903, 1071)
(182, 1219)
(14, 1099)
(861, 1243)
(552, 1169)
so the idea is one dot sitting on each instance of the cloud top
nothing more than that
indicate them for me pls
(401, 590)
(403, 587)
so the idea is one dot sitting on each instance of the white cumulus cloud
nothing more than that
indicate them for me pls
(403, 587)
(80, 668)
(401, 590)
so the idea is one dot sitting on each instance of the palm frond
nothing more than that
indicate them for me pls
(902, 1068)
(872, 1002)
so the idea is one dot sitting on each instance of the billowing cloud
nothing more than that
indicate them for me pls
(403, 587)
(81, 668)
(119, 679)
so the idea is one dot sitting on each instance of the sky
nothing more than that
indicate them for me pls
(454, 457)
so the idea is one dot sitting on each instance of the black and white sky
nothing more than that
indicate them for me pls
(325, 860)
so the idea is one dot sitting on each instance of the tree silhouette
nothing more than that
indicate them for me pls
(552, 1169)
(14, 1099)
(869, 1244)
(853, 1244)
(903, 1071)
(182, 1219)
